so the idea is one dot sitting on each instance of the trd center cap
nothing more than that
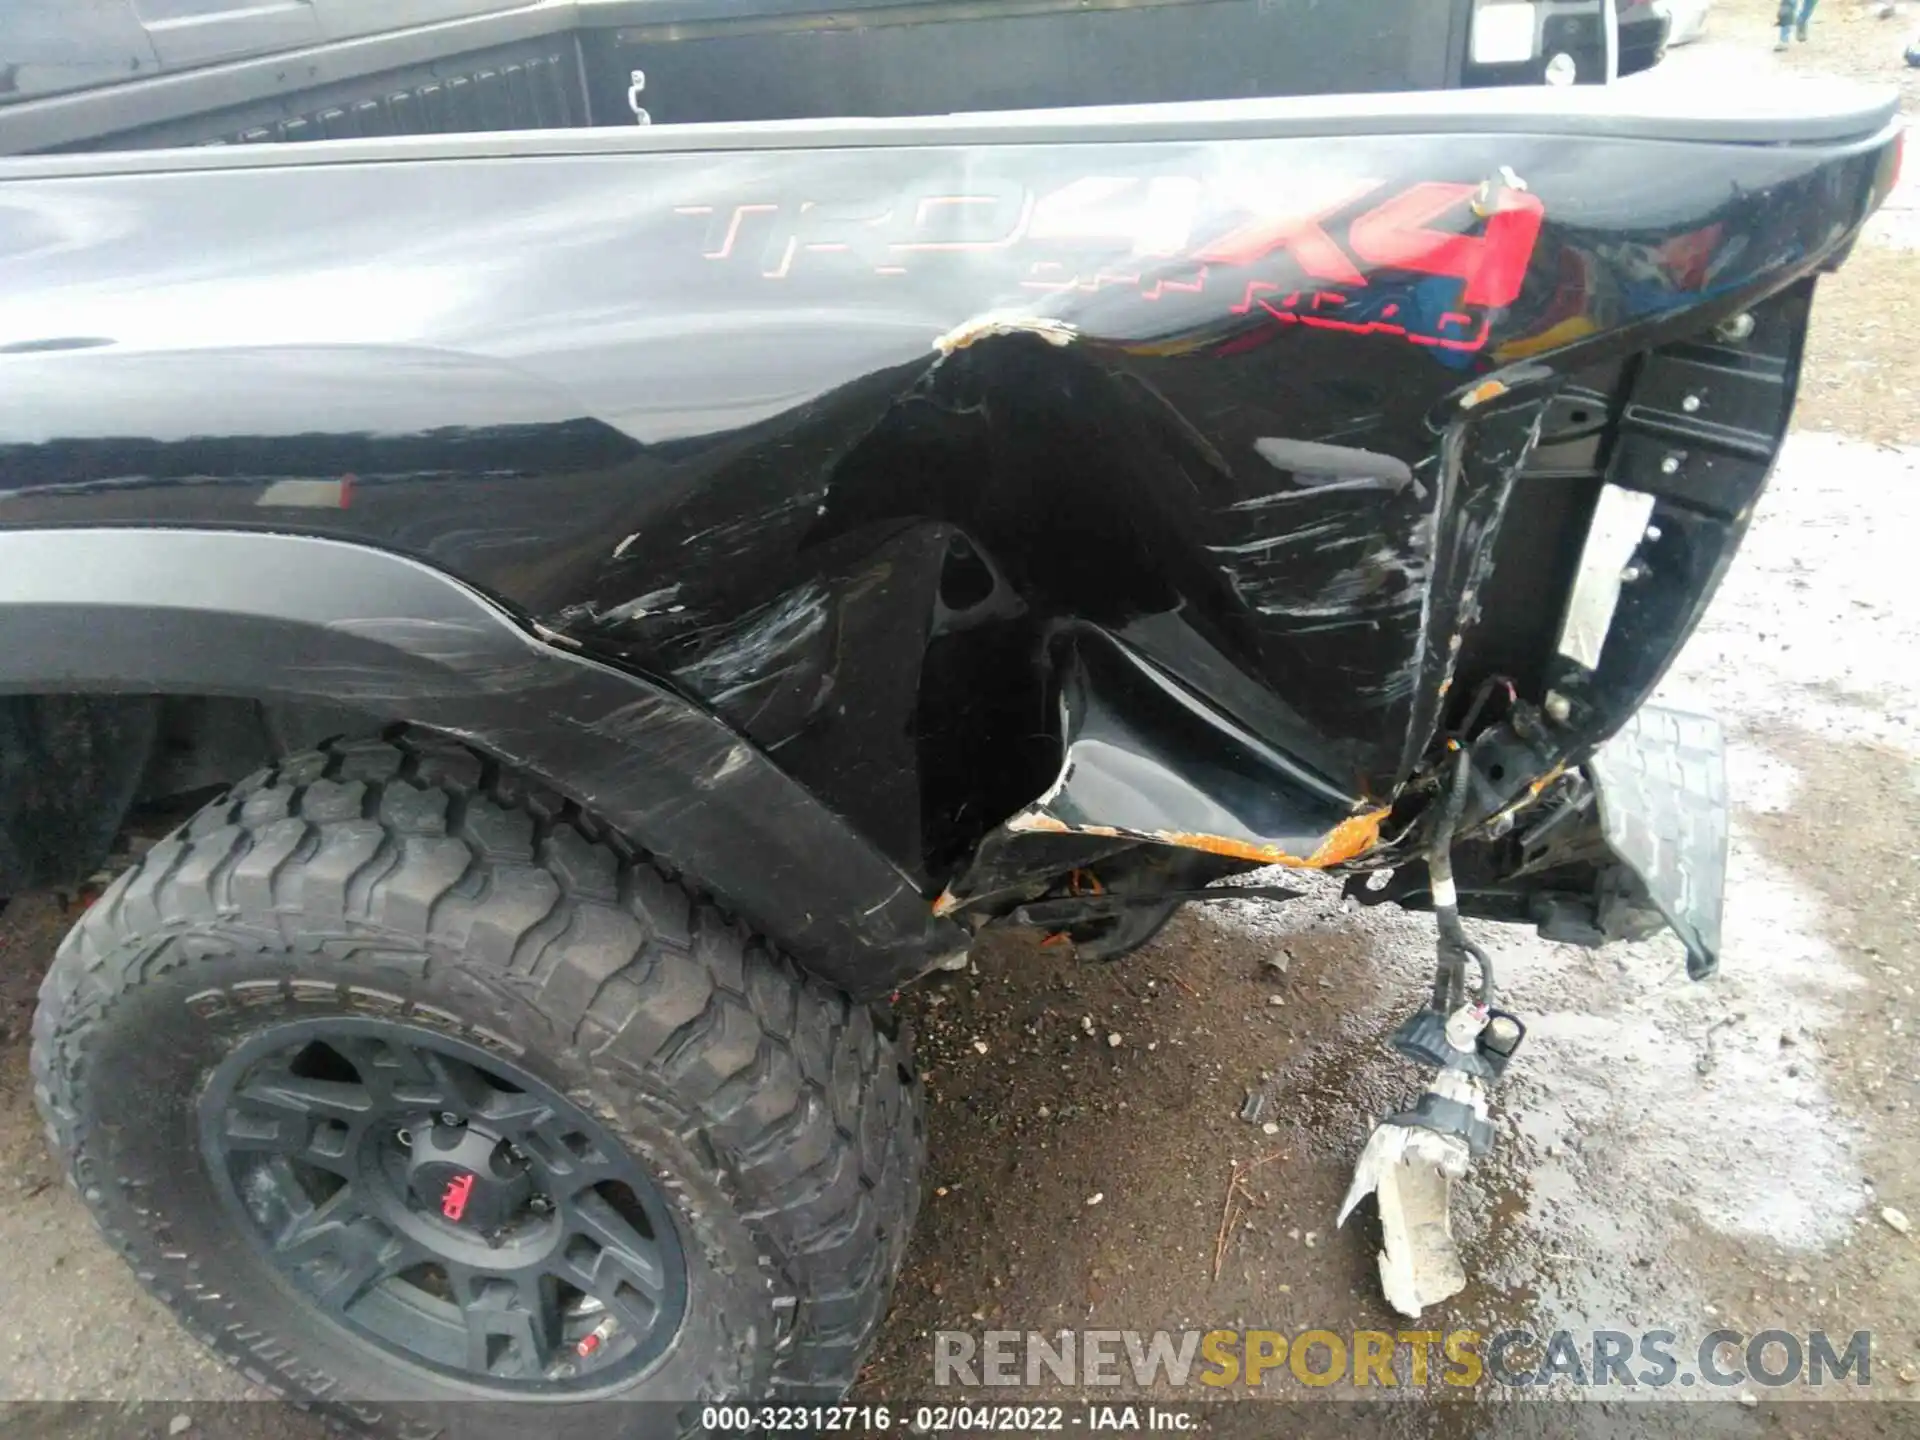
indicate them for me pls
(467, 1177)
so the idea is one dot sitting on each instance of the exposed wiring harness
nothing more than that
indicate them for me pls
(1454, 948)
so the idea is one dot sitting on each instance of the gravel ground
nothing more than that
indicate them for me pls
(1671, 1154)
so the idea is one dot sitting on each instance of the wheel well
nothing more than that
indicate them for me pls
(323, 623)
(79, 772)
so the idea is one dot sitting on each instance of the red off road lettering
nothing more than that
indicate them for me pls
(1396, 234)
(1295, 226)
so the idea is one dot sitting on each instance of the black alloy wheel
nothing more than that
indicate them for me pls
(445, 1204)
(426, 1101)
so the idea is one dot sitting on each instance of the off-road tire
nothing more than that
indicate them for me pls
(411, 877)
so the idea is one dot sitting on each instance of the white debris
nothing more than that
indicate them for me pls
(981, 1046)
(1270, 1128)
(1897, 1219)
(641, 606)
(968, 332)
(1096, 1197)
(1113, 1040)
(1411, 1171)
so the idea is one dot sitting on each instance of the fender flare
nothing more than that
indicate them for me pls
(272, 616)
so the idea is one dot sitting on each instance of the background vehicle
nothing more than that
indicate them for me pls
(1687, 20)
(1644, 27)
(127, 75)
(631, 599)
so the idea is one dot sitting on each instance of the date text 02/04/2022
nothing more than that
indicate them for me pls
(942, 1419)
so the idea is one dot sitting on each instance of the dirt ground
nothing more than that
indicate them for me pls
(1671, 1154)
(1860, 379)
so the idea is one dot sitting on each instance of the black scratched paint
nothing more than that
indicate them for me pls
(837, 443)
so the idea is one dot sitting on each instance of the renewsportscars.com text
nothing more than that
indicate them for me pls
(1256, 1359)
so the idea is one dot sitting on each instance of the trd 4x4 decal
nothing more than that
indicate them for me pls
(1312, 252)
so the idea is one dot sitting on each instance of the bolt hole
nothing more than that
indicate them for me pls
(1496, 772)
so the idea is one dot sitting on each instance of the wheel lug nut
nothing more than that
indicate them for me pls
(405, 1137)
(447, 1117)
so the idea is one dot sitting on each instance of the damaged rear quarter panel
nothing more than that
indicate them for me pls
(833, 440)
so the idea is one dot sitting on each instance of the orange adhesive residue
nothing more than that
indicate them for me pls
(1352, 837)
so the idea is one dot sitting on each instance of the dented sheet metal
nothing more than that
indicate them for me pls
(839, 439)
(1144, 761)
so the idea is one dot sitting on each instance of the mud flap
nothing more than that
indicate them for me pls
(1662, 787)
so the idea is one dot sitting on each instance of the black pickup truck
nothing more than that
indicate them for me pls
(554, 626)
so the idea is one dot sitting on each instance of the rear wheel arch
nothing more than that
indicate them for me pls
(293, 619)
